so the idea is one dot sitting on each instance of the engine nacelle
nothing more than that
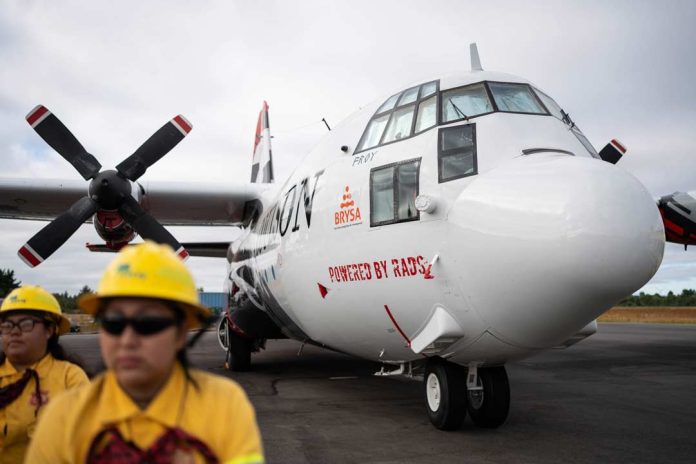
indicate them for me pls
(115, 231)
(678, 212)
(111, 226)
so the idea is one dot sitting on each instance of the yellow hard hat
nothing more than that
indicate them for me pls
(148, 270)
(34, 298)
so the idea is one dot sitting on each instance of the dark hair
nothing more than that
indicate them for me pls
(182, 354)
(58, 352)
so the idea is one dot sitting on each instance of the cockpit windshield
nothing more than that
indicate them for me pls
(417, 109)
(401, 116)
(515, 98)
(465, 102)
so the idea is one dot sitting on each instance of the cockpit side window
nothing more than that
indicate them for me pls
(393, 192)
(409, 96)
(456, 152)
(373, 133)
(428, 89)
(550, 104)
(399, 124)
(427, 114)
(401, 116)
(389, 104)
(557, 112)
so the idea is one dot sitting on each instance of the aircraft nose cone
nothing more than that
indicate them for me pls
(547, 242)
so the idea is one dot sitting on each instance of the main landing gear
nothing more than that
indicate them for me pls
(237, 347)
(449, 394)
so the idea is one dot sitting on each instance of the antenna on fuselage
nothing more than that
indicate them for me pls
(475, 60)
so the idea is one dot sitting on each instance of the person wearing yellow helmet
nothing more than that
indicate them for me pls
(33, 365)
(149, 405)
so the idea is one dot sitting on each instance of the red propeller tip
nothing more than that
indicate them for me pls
(37, 115)
(29, 256)
(181, 123)
(183, 253)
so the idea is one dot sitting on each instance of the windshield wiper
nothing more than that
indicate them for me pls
(456, 108)
(567, 120)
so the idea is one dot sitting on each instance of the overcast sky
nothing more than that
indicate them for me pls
(114, 72)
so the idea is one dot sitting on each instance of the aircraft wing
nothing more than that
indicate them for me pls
(205, 249)
(172, 203)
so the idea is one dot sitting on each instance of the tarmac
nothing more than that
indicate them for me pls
(626, 394)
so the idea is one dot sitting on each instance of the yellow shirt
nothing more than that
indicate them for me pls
(216, 412)
(18, 419)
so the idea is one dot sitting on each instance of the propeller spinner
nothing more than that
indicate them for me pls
(109, 190)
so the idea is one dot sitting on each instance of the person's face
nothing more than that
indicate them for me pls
(140, 362)
(25, 348)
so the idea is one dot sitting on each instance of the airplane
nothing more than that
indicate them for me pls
(443, 231)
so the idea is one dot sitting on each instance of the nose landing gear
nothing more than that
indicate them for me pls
(447, 397)
(444, 387)
(489, 406)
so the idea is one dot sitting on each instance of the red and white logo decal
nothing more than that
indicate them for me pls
(348, 213)
(406, 266)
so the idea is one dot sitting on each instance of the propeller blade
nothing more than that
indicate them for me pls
(148, 227)
(155, 148)
(55, 233)
(54, 132)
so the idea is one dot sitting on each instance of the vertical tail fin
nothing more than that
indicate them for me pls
(262, 162)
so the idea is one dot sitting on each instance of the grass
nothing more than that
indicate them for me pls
(650, 314)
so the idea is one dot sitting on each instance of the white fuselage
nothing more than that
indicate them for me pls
(512, 260)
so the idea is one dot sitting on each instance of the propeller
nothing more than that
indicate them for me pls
(108, 190)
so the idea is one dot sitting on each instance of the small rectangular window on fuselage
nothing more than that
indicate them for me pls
(393, 192)
(382, 195)
(456, 152)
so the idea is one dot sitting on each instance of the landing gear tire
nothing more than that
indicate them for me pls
(444, 388)
(238, 352)
(222, 333)
(489, 407)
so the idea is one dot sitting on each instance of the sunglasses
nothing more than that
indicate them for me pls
(145, 325)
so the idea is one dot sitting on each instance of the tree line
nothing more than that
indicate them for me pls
(686, 298)
(68, 302)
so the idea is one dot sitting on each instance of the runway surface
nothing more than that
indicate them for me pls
(626, 394)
